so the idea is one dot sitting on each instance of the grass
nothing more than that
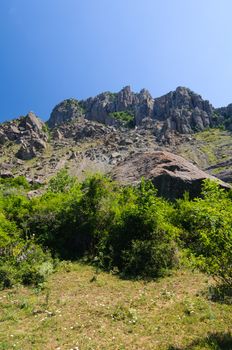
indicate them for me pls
(208, 148)
(82, 309)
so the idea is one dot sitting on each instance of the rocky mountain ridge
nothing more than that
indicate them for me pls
(181, 110)
(100, 133)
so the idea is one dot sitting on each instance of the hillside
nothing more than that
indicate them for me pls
(94, 261)
(97, 134)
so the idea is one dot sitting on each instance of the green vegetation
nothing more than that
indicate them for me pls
(132, 238)
(209, 148)
(111, 95)
(125, 117)
(206, 225)
(128, 229)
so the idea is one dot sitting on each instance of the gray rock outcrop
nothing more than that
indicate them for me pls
(183, 111)
(29, 132)
(65, 111)
(226, 116)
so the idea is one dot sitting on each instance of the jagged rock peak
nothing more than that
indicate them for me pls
(31, 121)
(183, 97)
(183, 111)
(29, 132)
(65, 111)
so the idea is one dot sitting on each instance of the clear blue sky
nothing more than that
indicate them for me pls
(56, 49)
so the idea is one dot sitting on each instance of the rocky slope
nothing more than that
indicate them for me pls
(101, 132)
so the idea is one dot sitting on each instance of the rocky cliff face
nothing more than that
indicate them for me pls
(226, 113)
(182, 110)
(101, 107)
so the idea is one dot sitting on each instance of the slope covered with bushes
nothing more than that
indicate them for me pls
(126, 229)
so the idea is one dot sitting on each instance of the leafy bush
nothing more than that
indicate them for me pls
(15, 182)
(142, 240)
(25, 263)
(125, 228)
(207, 231)
(8, 232)
(7, 276)
(61, 182)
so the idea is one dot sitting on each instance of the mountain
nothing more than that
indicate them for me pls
(103, 132)
(181, 110)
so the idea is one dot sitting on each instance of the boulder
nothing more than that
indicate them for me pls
(4, 174)
(38, 144)
(26, 152)
(3, 138)
(172, 175)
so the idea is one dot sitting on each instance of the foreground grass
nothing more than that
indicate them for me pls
(78, 309)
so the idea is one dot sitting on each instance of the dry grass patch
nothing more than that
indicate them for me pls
(86, 310)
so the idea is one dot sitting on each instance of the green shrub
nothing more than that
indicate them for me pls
(128, 229)
(124, 228)
(25, 263)
(207, 231)
(142, 239)
(127, 118)
(9, 232)
(7, 276)
(19, 182)
(61, 182)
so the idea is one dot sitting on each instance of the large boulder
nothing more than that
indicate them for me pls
(172, 175)
(4, 174)
(3, 138)
(26, 152)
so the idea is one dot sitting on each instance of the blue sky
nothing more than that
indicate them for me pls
(56, 49)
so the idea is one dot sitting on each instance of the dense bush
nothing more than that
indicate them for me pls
(142, 240)
(207, 231)
(21, 260)
(128, 229)
(24, 262)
